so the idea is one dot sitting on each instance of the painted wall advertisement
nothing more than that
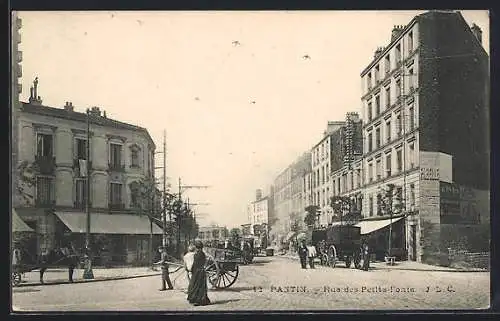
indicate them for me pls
(463, 205)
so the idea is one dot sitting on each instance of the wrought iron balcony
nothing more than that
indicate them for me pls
(45, 203)
(76, 165)
(116, 206)
(45, 164)
(116, 167)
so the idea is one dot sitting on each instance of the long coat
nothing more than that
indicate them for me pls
(197, 289)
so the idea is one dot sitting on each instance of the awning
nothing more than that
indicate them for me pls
(18, 225)
(108, 223)
(372, 226)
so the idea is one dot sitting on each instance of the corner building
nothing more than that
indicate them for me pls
(425, 109)
(54, 141)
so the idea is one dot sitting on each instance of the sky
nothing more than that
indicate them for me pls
(233, 91)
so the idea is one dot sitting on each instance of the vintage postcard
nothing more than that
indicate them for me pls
(250, 160)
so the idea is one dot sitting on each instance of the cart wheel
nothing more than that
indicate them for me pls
(332, 256)
(16, 278)
(324, 259)
(212, 270)
(227, 278)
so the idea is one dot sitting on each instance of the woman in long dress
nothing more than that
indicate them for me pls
(197, 289)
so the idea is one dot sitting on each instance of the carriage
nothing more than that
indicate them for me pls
(341, 243)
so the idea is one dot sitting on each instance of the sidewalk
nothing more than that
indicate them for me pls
(60, 276)
(403, 265)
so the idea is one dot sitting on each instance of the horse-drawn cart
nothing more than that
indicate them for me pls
(341, 243)
(222, 267)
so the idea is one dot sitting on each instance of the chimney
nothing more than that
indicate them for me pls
(68, 106)
(378, 52)
(258, 194)
(95, 111)
(478, 33)
(35, 99)
(396, 30)
(104, 114)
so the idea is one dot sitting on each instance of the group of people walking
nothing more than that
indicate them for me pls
(307, 254)
(194, 265)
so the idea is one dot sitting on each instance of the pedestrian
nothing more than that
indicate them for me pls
(197, 289)
(188, 260)
(165, 278)
(311, 250)
(303, 254)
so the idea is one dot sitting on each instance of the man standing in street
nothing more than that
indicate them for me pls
(165, 278)
(311, 251)
(303, 254)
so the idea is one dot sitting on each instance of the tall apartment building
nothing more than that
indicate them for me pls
(288, 199)
(258, 211)
(341, 143)
(53, 142)
(426, 124)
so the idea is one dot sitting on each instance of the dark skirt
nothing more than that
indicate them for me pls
(197, 289)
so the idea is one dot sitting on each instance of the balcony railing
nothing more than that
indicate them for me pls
(76, 165)
(116, 167)
(46, 165)
(116, 206)
(45, 203)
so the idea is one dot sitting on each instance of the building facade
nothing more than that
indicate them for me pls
(212, 233)
(16, 89)
(258, 212)
(425, 128)
(53, 145)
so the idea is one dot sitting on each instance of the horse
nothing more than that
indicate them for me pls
(59, 257)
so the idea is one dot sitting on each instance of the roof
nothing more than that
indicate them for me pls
(82, 117)
(18, 225)
(108, 223)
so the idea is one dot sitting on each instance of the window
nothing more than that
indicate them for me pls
(370, 142)
(388, 164)
(351, 175)
(369, 111)
(81, 193)
(412, 194)
(388, 130)
(387, 64)
(379, 205)
(399, 125)
(411, 116)
(377, 74)
(410, 79)
(44, 147)
(115, 196)
(377, 138)
(370, 205)
(378, 169)
(387, 97)
(412, 155)
(398, 53)
(359, 177)
(323, 175)
(81, 148)
(116, 155)
(44, 190)
(370, 172)
(134, 156)
(399, 160)
(398, 88)
(327, 173)
(410, 41)
(134, 195)
(377, 106)
(369, 81)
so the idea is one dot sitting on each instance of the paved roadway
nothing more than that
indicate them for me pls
(273, 283)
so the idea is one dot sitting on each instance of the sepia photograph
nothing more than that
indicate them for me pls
(190, 161)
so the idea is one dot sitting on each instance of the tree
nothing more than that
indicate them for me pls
(311, 215)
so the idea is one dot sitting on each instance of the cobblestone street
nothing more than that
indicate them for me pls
(274, 283)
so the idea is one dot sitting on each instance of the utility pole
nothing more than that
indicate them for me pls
(181, 189)
(164, 214)
(87, 273)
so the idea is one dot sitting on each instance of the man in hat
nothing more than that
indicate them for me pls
(165, 278)
(303, 253)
